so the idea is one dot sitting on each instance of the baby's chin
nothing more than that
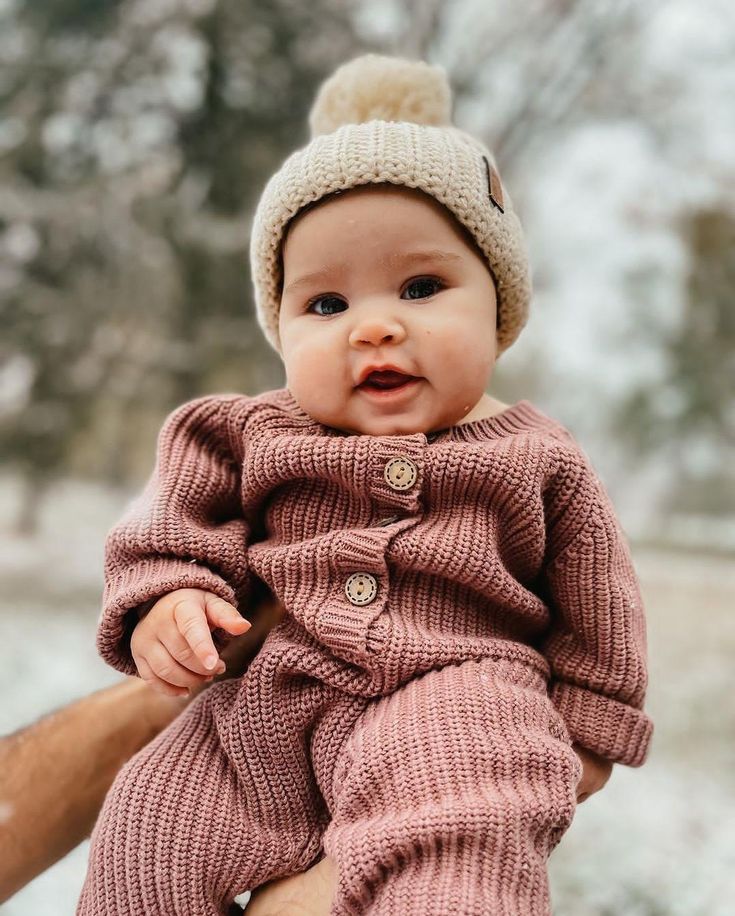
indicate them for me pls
(362, 420)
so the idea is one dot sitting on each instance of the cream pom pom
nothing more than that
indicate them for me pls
(374, 86)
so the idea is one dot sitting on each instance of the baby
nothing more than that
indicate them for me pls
(463, 625)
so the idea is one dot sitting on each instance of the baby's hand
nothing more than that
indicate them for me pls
(172, 645)
(596, 771)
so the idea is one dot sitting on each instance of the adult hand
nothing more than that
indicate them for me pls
(596, 771)
(307, 894)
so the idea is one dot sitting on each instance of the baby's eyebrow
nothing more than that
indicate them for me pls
(395, 259)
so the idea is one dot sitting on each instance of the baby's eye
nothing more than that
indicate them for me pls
(313, 302)
(427, 286)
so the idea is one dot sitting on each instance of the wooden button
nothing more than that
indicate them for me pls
(361, 588)
(401, 473)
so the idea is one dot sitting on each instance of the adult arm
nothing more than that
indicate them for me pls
(308, 894)
(56, 772)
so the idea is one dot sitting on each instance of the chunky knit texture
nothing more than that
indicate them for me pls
(422, 737)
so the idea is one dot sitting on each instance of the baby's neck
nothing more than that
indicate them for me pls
(487, 406)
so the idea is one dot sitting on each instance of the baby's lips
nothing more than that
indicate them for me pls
(387, 379)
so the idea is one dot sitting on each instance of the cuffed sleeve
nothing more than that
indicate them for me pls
(596, 645)
(186, 529)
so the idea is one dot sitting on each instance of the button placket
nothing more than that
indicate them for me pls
(394, 473)
(344, 620)
(390, 469)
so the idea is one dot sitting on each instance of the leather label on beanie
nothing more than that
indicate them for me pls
(494, 187)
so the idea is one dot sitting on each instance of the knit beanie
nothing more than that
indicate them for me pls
(379, 120)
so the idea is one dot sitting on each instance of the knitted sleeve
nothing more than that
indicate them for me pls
(185, 530)
(597, 644)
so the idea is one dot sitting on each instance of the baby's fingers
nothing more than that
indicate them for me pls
(156, 683)
(191, 622)
(180, 649)
(164, 666)
(222, 614)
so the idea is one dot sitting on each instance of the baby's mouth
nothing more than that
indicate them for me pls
(386, 380)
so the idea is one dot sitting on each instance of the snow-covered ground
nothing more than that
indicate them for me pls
(658, 841)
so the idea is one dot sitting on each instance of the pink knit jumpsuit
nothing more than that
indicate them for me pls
(460, 607)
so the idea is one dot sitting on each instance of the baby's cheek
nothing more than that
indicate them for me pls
(308, 366)
(467, 355)
(316, 382)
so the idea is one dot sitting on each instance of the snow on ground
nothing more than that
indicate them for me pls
(658, 841)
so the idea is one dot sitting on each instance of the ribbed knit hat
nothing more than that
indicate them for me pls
(377, 120)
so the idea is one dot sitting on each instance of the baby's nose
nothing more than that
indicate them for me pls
(377, 330)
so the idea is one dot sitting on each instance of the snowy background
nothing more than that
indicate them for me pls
(129, 164)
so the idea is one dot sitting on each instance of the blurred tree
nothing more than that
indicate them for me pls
(688, 420)
(146, 132)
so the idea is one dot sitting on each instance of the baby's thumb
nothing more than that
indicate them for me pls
(221, 613)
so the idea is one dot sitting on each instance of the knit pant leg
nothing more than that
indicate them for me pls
(452, 792)
(220, 802)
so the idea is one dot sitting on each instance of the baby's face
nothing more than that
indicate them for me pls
(352, 298)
